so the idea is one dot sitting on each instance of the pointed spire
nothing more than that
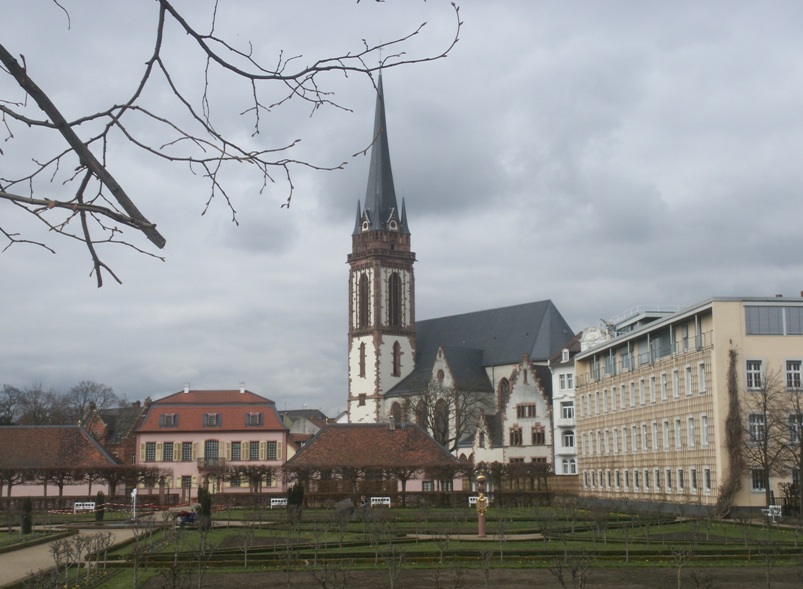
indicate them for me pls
(358, 220)
(380, 197)
(404, 227)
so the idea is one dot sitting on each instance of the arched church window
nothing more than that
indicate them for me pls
(441, 425)
(362, 360)
(503, 392)
(363, 302)
(440, 376)
(394, 300)
(395, 412)
(396, 359)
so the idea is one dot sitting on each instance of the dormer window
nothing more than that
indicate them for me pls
(168, 420)
(211, 420)
(564, 355)
(253, 418)
(365, 226)
(393, 225)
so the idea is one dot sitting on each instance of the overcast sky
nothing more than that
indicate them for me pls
(599, 154)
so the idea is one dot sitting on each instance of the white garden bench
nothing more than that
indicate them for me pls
(383, 501)
(83, 506)
(278, 502)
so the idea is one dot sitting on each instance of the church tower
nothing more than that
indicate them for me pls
(381, 287)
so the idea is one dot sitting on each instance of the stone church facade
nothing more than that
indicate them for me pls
(500, 355)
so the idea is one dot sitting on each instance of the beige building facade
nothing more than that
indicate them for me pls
(652, 401)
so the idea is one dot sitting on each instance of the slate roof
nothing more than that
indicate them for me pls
(51, 446)
(380, 195)
(371, 445)
(492, 337)
(573, 345)
(232, 406)
(120, 422)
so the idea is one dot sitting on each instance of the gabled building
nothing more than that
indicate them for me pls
(226, 440)
(36, 457)
(355, 458)
(115, 428)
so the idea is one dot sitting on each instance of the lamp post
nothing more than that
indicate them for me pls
(482, 506)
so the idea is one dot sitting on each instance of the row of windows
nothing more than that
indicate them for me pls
(759, 430)
(755, 374)
(394, 301)
(648, 390)
(646, 437)
(773, 320)
(647, 480)
(186, 451)
(210, 419)
(517, 436)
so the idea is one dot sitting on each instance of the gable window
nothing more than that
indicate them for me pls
(523, 411)
(481, 442)
(394, 300)
(515, 436)
(253, 418)
(754, 374)
(539, 437)
(168, 420)
(211, 420)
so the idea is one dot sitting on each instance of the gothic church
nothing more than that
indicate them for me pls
(500, 352)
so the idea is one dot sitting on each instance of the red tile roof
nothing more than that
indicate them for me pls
(371, 446)
(189, 411)
(51, 446)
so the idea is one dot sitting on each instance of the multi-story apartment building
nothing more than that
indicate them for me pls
(228, 441)
(652, 401)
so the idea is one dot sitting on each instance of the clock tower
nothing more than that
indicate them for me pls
(381, 338)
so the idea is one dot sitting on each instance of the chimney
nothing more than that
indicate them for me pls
(136, 404)
(242, 387)
(186, 387)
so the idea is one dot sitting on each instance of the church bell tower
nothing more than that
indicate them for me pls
(381, 287)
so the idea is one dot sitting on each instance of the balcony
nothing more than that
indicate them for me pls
(211, 463)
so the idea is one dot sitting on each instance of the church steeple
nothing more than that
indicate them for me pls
(381, 209)
(381, 287)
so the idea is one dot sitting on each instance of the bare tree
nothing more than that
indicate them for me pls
(35, 405)
(766, 423)
(70, 184)
(450, 413)
(86, 394)
(794, 440)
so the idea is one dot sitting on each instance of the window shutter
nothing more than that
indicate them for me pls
(194, 482)
(228, 450)
(262, 450)
(161, 420)
(159, 452)
(194, 452)
(142, 452)
(279, 451)
(176, 452)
